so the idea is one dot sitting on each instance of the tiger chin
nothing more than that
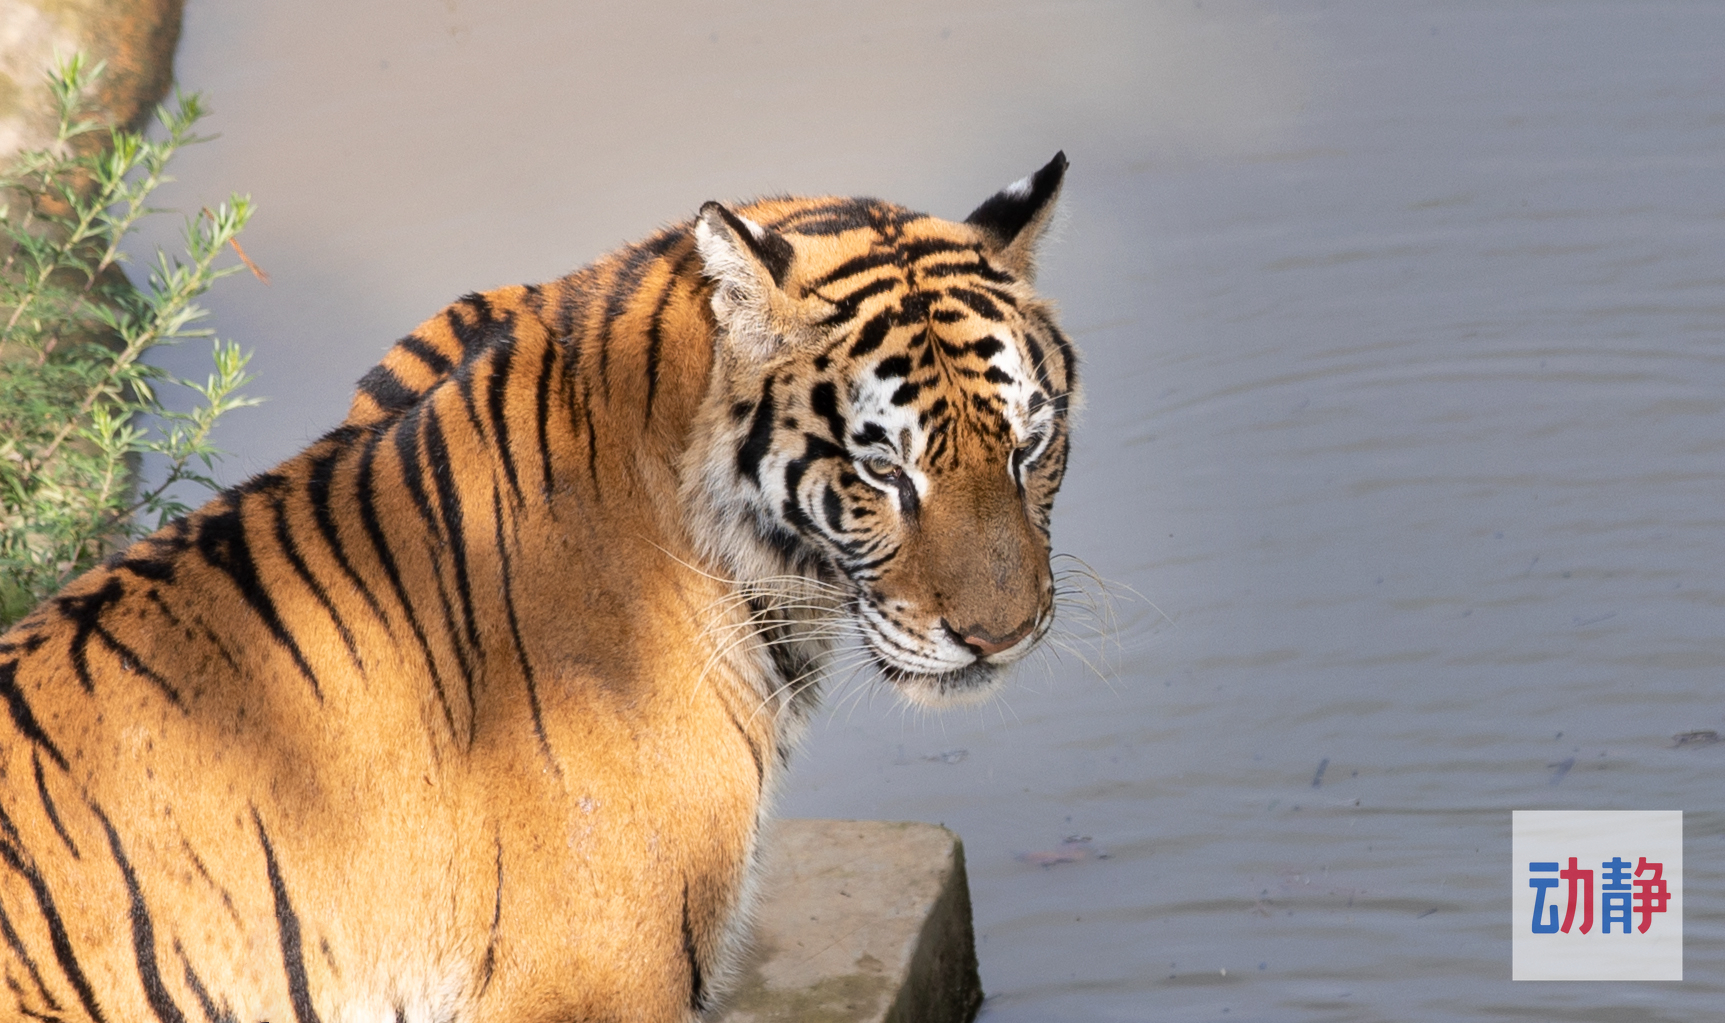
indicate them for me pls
(473, 710)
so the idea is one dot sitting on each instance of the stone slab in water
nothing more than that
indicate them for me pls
(861, 922)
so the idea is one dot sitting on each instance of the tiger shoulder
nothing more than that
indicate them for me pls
(474, 709)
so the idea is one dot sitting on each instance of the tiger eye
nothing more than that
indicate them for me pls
(881, 468)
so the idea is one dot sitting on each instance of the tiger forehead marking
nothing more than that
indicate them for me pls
(383, 732)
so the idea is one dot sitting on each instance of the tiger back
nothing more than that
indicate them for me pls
(473, 710)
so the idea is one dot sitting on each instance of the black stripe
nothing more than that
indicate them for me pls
(697, 997)
(893, 366)
(836, 222)
(592, 442)
(318, 482)
(572, 301)
(84, 611)
(473, 338)
(976, 269)
(420, 349)
(455, 642)
(212, 1012)
(913, 309)
(22, 718)
(49, 808)
(872, 333)
(35, 1015)
(631, 269)
(287, 925)
(13, 853)
(449, 502)
(655, 327)
(16, 943)
(1038, 359)
(290, 547)
(844, 215)
(922, 248)
(221, 648)
(1067, 353)
(542, 408)
(856, 265)
(29, 644)
(845, 309)
(160, 570)
(527, 674)
(760, 437)
(464, 387)
(487, 964)
(814, 449)
(937, 444)
(412, 468)
(833, 508)
(380, 545)
(824, 400)
(204, 872)
(387, 389)
(979, 303)
(222, 541)
(871, 433)
(820, 210)
(496, 393)
(143, 932)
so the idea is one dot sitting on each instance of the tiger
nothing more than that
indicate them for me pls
(474, 709)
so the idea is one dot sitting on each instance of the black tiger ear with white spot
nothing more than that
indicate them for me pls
(749, 263)
(1015, 217)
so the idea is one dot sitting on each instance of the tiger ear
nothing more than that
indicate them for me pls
(1015, 217)
(749, 263)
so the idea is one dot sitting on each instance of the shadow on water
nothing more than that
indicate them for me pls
(1401, 326)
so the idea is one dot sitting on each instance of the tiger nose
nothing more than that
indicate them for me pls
(985, 643)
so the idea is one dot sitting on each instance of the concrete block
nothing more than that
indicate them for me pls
(860, 922)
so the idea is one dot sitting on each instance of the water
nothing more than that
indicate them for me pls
(1402, 332)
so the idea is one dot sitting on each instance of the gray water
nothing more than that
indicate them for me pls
(1403, 444)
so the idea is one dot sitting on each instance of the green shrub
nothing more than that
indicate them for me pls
(79, 408)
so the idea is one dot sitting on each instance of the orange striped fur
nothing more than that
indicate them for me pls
(473, 709)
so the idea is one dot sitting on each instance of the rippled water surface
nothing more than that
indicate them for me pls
(1406, 418)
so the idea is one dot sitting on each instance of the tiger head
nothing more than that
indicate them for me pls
(888, 414)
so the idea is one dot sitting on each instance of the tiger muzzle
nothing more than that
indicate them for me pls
(986, 567)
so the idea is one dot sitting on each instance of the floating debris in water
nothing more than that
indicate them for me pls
(951, 756)
(1073, 849)
(1318, 778)
(1560, 769)
(1705, 737)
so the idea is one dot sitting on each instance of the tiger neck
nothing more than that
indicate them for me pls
(646, 446)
